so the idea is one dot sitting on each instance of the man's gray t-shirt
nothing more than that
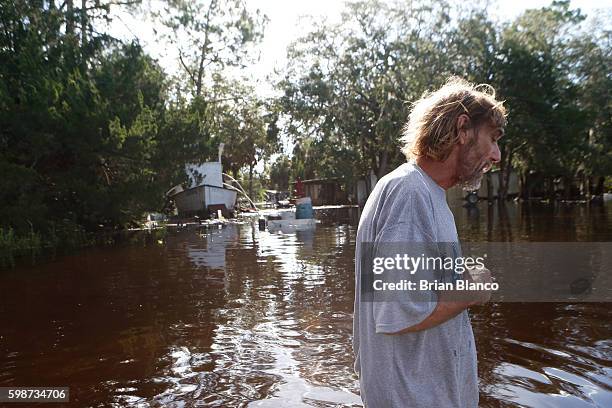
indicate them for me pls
(429, 368)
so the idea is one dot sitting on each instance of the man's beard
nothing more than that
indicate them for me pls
(473, 180)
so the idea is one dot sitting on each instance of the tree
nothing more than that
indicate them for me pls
(546, 130)
(245, 125)
(211, 35)
(280, 172)
(77, 137)
(347, 84)
(590, 59)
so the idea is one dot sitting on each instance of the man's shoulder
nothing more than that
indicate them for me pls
(401, 193)
(405, 179)
(401, 198)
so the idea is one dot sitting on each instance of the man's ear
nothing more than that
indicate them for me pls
(462, 124)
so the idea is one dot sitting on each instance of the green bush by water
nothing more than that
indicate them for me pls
(32, 244)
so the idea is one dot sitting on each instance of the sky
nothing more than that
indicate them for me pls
(286, 23)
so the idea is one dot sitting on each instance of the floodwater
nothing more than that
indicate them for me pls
(237, 317)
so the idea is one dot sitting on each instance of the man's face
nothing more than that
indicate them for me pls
(477, 155)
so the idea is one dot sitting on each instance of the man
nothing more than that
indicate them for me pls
(418, 350)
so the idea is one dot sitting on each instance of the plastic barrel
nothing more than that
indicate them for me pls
(303, 208)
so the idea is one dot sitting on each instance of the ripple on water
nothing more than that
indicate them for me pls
(239, 316)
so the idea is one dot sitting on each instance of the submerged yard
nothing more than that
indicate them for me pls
(241, 317)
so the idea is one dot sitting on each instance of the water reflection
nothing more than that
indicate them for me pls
(533, 222)
(241, 317)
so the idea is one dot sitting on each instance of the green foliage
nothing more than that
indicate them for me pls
(91, 135)
(347, 84)
(93, 132)
(246, 125)
(534, 80)
(211, 35)
(280, 173)
(12, 245)
(608, 184)
(348, 87)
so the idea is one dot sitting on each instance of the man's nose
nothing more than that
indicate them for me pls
(495, 154)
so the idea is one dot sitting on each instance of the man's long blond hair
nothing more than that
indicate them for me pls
(432, 131)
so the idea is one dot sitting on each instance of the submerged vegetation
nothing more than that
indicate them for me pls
(33, 244)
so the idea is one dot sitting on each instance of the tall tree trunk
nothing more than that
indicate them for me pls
(84, 35)
(204, 49)
(505, 167)
(584, 186)
(507, 182)
(69, 17)
(382, 164)
(504, 176)
(589, 186)
(523, 192)
(71, 40)
(567, 187)
(599, 189)
(251, 167)
(549, 185)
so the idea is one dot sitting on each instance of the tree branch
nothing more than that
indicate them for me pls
(191, 75)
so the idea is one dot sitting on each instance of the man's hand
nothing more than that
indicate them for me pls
(469, 297)
(479, 275)
(452, 302)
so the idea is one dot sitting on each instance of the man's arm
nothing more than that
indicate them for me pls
(451, 303)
